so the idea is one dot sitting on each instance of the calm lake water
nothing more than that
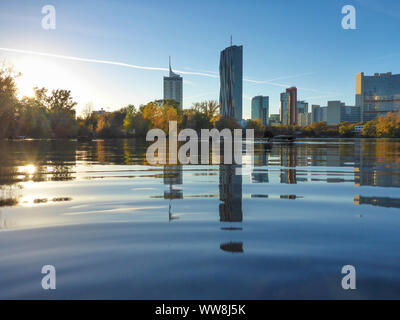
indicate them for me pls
(115, 227)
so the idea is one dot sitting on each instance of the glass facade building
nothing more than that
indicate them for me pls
(173, 87)
(302, 107)
(231, 79)
(316, 113)
(285, 108)
(289, 106)
(260, 109)
(377, 95)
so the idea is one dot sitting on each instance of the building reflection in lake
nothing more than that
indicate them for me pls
(378, 201)
(172, 177)
(233, 247)
(289, 163)
(377, 163)
(259, 175)
(230, 193)
(230, 210)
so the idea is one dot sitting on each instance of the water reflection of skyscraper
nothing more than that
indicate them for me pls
(288, 156)
(172, 176)
(377, 201)
(377, 163)
(230, 210)
(260, 159)
(230, 193)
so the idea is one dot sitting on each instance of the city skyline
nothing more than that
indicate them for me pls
(323, 74)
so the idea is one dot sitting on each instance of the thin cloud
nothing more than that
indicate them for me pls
(109, 62)
(206, 71)
(132, 66)
(293, 76)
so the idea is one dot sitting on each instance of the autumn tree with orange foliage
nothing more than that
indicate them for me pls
(387, 126)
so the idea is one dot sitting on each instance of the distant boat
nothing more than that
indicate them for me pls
(283, 139)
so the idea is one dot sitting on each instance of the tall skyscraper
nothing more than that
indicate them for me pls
(231, 78)
(377, 95)
(293, 105)
(260, 109)
(173, 87)
(289, 106)
(285, 107)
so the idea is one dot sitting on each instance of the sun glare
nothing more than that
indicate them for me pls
(41, 72)
(28, 169)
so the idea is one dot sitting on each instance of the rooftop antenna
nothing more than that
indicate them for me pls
(170, 64)
(231, 40)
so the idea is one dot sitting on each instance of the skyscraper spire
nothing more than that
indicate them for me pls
(173, 86)
(231, 40)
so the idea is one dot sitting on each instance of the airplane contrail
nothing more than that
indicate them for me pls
(115, 63)
(127, 65)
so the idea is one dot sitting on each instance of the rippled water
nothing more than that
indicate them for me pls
(115, 227)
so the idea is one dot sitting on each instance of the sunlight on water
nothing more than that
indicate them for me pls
(88, 207)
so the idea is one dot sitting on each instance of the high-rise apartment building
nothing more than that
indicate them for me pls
(316, 113)
(289, 106)
(303, 118)
(377, 95)
(231, 79)
(260, 109)
(302, 107)
(285, 108)
(173, 87)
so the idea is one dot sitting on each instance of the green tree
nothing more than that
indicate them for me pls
(319, 128)
(8, 101)
(210, 109)
(62, 113)
(34, 119)
(369, 129)
(346, 129)
(227, 123)
(258, 126)
(386, 126)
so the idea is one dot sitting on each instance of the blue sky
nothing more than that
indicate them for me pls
(286, 43)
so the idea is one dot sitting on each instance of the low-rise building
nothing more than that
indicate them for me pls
(335, 113)
(358, 129)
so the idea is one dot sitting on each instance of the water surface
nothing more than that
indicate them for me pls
(115, 227)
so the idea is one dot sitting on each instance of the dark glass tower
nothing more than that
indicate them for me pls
(231, 77)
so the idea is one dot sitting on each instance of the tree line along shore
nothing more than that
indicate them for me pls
(52, 115)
